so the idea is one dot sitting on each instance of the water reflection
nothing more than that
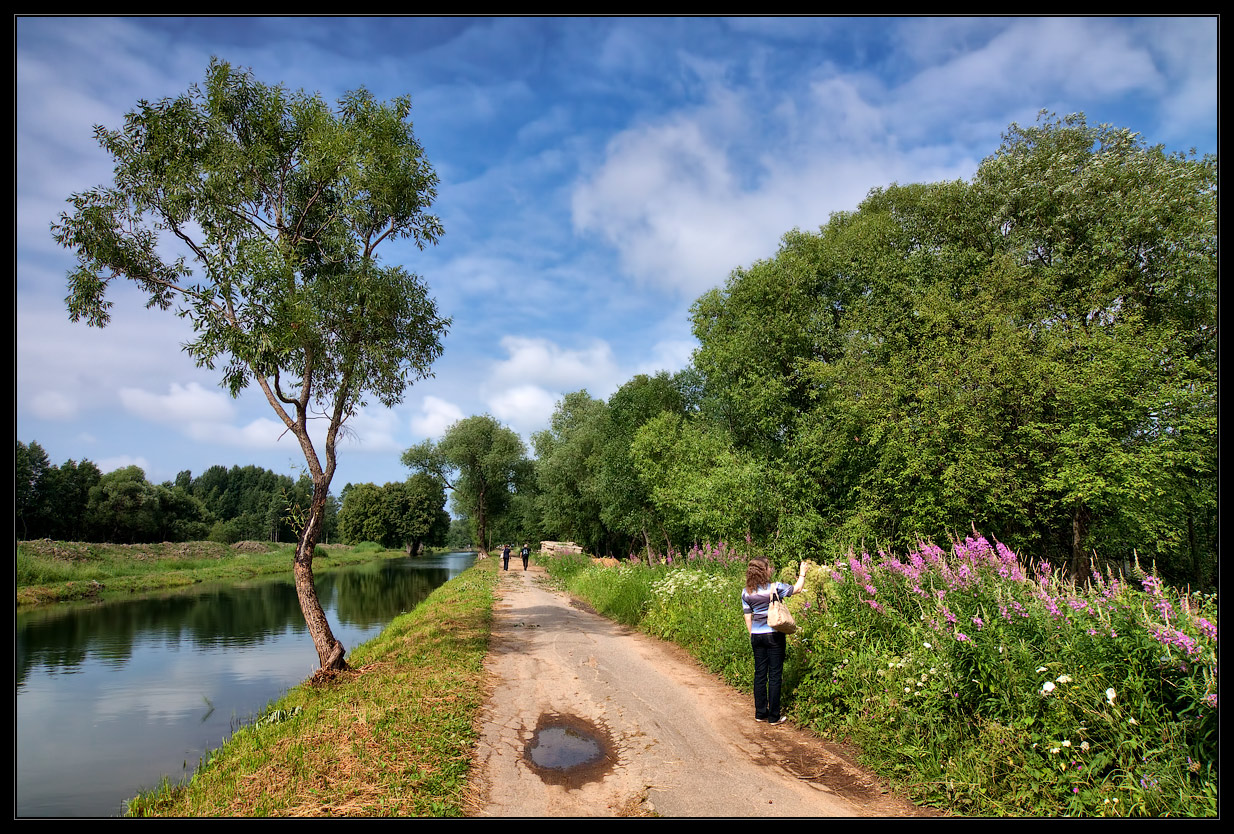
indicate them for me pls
(111, 697)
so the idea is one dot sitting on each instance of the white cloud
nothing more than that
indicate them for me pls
(262, 433)
(525, 408)
(121, 461)
(543, 363)
(182, 404)
(668, 355)
(372, 430)
(436, 415)
(52, 405)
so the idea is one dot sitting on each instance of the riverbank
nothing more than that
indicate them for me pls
(50, 571)
(391, 737)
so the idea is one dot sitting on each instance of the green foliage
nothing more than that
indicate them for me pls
(406, 514)
(50, 501)
(1033, 352)
(482, 462)
(567, 466)
(983, 688)
(281, 204)
(699, 483)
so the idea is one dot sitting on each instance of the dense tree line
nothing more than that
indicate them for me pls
(409, 515)
(76, 502)
(1033, 352)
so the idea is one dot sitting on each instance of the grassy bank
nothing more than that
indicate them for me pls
(981, 685)
(50, 571)
(391, 737)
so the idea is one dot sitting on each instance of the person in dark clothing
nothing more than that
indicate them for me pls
(526, 554)
(505, 557)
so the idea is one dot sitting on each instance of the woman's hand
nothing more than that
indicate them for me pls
(801, 577)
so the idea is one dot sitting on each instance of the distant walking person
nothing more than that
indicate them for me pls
(505, 557)
(526, 554)
(767, 644)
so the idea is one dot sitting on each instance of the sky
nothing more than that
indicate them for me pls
(597, 175)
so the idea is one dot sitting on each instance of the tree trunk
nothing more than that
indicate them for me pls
(1081, 567)
(329, 650)
(481, 532)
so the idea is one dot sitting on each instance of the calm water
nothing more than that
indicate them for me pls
(113, 697)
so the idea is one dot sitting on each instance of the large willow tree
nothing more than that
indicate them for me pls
(278, 204)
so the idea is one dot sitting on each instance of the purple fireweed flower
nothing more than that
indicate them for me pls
(1167, 636)
(977, 621)
(871, 590)
(962, 637)
(1206, 628)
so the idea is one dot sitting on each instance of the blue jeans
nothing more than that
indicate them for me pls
(768, 673)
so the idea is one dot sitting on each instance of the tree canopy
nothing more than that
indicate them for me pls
(482, 462)
(257, 214)
(1032, 352)
(405, 514)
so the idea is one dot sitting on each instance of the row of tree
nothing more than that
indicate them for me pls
(76, 502)
(408, 514)
(1032, 352)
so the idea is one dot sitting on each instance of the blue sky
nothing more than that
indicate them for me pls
(597, 176)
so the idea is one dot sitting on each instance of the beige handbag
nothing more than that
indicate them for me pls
(778, 615)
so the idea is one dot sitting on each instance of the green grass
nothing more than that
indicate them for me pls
(977, 689)
(48, 571)
(392, 737)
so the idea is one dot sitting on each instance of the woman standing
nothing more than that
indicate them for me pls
(768, 644)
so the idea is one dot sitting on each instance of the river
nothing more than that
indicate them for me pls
(112, 697)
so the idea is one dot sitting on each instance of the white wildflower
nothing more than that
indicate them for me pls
(1064, 679)
(1047, 687)
(1109, 695)
(1066, 742)
(1040, 669)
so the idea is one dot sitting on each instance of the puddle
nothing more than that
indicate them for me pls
(568, 750)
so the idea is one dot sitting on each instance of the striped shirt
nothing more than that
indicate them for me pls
(757, 604)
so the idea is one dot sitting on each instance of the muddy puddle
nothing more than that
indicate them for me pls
(568, 750)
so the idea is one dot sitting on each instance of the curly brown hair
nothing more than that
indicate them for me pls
(758, 573)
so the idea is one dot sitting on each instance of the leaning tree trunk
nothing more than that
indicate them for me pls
(329, 650)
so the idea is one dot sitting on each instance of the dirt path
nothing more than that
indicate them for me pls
(672, 739)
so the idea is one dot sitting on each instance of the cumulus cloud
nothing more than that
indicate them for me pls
(111, 464)
(182, 404)
(436, 415)
(525, 408)
(668, 355)
(687, 199)
(372, 430)
(543, 363)
(262, 433)
(52, 405)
